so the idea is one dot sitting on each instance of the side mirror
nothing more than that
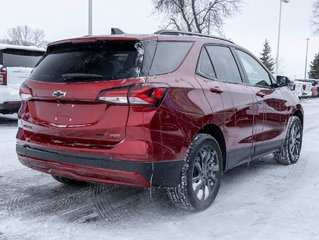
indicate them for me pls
(282, 81)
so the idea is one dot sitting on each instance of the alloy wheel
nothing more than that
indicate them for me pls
(205, 173)
(295, 142)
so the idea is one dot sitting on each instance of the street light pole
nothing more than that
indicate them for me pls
(90, 18)
(306, 58)
(209, 17)
(279, 31)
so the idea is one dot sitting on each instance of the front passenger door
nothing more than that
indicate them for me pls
(270, 102)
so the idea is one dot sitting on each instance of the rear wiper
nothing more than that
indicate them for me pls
(70, 76)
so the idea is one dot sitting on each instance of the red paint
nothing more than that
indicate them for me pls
(3, 74)
(182, 105)
(14, 102)
(85, 173)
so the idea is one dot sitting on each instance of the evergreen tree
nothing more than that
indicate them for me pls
(266, 58)
(314, 68)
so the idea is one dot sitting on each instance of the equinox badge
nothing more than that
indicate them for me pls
(59, 93)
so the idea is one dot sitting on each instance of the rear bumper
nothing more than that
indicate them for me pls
(98, 168)
(10, 107)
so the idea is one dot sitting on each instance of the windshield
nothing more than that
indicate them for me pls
(108, 59)
(21, 58)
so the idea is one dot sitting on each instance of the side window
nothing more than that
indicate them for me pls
(168, 56)
(205, 67)
(256, 74)
(224, 64)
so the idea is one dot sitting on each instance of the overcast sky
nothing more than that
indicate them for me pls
(257, 21)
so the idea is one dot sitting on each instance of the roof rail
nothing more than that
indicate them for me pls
(175, 32)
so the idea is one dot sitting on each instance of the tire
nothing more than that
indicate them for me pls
(290, 152)
(200, 177)
(68, 181)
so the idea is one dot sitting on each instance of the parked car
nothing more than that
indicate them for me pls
(314, 92)
(315, 88)
(303, 88)
(173, 109)
(16, 63)
(297, 88)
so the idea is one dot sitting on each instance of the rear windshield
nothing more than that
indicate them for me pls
(108, 60)
(20, 58)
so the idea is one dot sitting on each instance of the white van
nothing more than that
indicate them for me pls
(16, 63)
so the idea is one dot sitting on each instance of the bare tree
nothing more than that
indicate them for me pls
(26, 36)
(315, 17)
(202, 16)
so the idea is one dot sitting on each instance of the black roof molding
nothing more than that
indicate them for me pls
(116, 31)
(176, 33)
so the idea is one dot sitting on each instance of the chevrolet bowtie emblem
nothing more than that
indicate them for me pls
(59, 93)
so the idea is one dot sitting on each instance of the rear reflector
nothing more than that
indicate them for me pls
(136, 95)
(3, 76)
(25, 93)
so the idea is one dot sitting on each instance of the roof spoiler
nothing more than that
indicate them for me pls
(116, 31)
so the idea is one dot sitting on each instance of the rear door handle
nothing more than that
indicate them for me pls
(216, 89)
(260, 94)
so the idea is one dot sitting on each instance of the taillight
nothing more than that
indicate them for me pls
(304, 87)
(3, 76)
(114, 96)
(25, 93)
(146, 95)
(136, 95)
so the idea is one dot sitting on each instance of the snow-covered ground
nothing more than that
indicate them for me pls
(264, 200)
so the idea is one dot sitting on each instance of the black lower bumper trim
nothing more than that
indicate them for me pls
(162, 173)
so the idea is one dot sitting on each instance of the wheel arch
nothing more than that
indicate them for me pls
(217, 133)
(298, 113)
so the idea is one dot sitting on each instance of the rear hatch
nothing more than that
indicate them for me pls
(18, 64)
(69, 86)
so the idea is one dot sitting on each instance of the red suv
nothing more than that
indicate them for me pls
(173, 109)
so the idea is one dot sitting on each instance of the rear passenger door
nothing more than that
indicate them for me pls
(215, 91)
(271, 104)
(234, 107)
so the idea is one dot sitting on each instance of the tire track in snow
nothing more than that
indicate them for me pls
(41, 202)
(40, 196)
